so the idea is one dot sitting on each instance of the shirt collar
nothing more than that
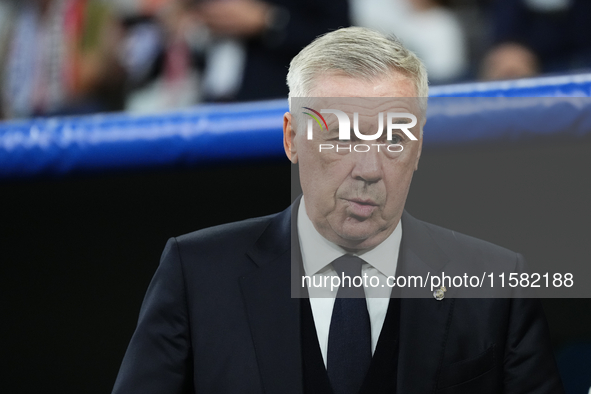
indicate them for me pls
(318, 252)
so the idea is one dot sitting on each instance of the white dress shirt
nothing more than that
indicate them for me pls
(317, 255)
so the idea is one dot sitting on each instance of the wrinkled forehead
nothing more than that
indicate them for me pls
(366, 105)
(365, 108)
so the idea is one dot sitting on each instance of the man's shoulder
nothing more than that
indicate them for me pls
(456, 238)
(241, 232)
(461, 247)
(222, 253)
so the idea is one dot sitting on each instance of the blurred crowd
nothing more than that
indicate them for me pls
(68, 57)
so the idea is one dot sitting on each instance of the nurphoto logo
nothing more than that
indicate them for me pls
(394, 121)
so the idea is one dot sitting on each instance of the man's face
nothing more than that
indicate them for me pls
(355, 199)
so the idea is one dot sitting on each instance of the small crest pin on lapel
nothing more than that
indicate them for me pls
(439, 294)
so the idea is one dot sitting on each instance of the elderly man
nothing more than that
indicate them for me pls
(223, 312)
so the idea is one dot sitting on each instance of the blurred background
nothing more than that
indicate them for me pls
(63, 57)
(79, 247)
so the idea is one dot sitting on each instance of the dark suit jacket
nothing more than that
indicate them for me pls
(218, 318)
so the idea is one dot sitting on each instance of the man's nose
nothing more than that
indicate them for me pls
(367, 166)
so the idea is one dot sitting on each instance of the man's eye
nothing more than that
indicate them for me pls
(396, 139)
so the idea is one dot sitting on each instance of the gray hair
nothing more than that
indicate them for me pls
(357, 52)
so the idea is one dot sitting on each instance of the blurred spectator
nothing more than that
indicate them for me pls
(160, 55)
(263, 36)
(425, 26)
(533, 36)
(222, 50)
(509, 61)
(60, 58)
(6, 15)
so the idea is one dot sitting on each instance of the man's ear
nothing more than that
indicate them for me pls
(289, 138)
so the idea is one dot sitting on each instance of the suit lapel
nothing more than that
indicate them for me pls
(424, 321)
(274, 317)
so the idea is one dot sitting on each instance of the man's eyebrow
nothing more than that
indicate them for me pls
(332, 130)
(401, 120)
(352, 134)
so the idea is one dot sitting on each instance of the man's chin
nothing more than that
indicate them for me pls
(358, 240)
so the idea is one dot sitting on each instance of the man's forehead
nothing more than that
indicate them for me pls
(393, 92)
(364, 106)
(392, 84)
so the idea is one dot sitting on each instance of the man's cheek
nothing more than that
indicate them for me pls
(407, 156)
(328, 155)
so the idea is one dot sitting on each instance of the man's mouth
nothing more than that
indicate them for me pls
(362, 208)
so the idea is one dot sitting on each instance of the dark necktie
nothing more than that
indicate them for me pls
(349, 338)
